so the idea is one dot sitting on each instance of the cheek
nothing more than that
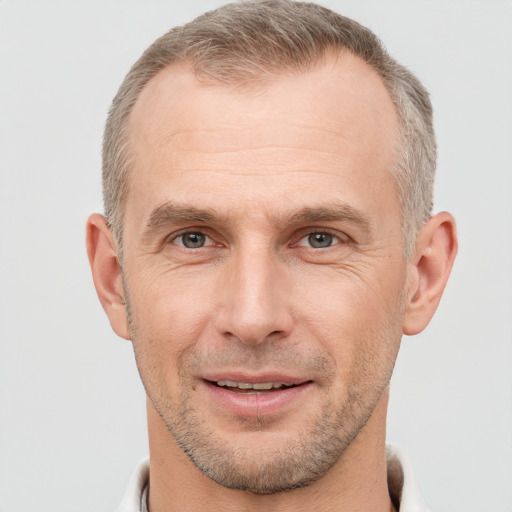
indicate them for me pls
(356, 321)
(347, 299)
(170, 301)
(167, 317)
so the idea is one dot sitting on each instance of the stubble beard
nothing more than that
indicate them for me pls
(279, 462)
(296, 462)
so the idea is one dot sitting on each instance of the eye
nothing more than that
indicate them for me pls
(319, 240)
(193, 240)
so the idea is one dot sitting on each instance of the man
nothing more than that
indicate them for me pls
(268, 239)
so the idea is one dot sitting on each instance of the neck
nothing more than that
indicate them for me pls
(358, 481)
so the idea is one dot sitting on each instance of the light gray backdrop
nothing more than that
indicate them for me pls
(72, 412)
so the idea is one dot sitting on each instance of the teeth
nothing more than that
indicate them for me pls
(266, 385)
(246, 385)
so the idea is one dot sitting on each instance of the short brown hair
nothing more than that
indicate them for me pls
(249, 43)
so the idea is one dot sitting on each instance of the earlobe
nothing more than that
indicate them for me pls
(429, 269)
(106, 273)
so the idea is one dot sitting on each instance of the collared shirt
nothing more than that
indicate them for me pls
(403, 487)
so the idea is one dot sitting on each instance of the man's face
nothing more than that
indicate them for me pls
(263, 267)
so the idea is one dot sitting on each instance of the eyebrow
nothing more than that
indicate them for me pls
(330, 213)
(171, 213)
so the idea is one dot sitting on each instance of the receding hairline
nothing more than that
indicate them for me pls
(187, 74)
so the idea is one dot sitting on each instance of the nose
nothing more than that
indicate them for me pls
(254, 298)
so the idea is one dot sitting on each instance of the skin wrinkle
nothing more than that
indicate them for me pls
(202, 141)
(356, 268)
(215, 131)
(267, 147)
(266, 175)
(351, 263)
(328, 149)
(285, 152)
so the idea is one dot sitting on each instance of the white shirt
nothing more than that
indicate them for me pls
(401, 482)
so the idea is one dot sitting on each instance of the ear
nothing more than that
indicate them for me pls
(106, 273)
(428, 271)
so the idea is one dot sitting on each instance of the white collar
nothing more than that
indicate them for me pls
(401, 482)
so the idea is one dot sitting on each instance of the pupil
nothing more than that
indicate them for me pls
(320, 240)
(193, 240)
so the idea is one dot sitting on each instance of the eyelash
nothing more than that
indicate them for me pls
(191, 232)
(335, 239)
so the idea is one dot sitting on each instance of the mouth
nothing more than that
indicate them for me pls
(250, 396)
(254, 388)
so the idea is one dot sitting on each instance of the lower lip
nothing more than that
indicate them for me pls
(255, 405)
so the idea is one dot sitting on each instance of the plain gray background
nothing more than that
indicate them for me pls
(72, 410)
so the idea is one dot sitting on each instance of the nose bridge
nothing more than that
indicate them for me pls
(253, 305)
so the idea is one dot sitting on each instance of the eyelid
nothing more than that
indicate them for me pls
(176, 235)
(341, 238)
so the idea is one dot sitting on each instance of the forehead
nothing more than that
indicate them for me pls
(331, 129)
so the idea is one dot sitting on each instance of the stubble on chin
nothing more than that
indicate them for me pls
(281, 460)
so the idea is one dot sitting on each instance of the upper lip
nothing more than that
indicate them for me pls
(255, 378)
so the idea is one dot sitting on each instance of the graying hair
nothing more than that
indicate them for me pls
(249, 43)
